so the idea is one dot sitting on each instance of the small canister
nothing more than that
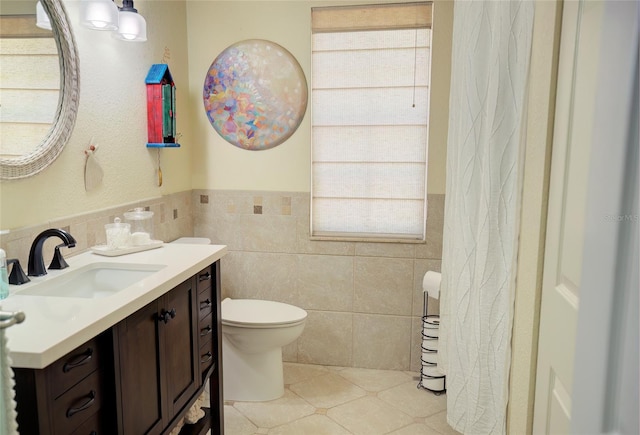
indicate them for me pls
(141, 221)
(118, 234)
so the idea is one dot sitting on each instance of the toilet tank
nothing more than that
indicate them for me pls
(193, 240)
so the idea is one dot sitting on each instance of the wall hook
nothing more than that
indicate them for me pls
(93, 172)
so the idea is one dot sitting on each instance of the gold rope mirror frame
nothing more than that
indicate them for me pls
(65, 117)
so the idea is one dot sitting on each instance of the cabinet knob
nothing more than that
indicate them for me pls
(205, 304)
(165, 315)
(205, 331)
(204, 277)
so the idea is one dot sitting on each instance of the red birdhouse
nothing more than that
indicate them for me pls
(161, 107)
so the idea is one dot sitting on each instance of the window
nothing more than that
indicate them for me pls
(370, 106)
(29, 85)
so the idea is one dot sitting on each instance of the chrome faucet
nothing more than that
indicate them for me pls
(36, 262)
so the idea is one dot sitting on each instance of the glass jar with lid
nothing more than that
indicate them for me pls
(141, 222)
(118, 234)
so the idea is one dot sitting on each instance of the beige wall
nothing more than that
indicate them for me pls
(113, 112)
(172, 219)
(214, 25)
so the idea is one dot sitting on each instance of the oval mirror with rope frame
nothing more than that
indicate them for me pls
(65, 117)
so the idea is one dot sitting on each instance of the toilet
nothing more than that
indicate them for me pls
(253, 334)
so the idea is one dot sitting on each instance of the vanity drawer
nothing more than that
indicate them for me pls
(99, 423)
(78, 404)
(205, 328)
(205, 302)
(206, 357)
(76, 365)
(204, 278)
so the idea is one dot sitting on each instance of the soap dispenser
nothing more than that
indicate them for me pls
(4, 279)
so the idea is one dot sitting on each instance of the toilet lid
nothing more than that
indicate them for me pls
(260, 312)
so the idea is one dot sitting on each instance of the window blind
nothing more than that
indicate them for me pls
(29, 84)
(371, 17)
(370, 106)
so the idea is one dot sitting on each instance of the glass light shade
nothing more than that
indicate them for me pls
(99, 14)
(42, 19)
(133, 27)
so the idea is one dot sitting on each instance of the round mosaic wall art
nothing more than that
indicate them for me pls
(255, 94)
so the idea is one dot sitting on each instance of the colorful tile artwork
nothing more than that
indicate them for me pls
(255, 94)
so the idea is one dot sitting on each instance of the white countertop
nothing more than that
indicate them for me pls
(55, 326)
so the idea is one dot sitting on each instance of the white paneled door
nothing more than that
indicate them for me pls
(575, 107)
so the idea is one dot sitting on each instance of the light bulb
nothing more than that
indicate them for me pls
(133, 27)
(99, 14)
(42, 19)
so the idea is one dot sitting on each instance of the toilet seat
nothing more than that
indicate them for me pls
(256, 313)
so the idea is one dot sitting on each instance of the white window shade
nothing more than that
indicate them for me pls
(372, 17)
(29, 85)
(370, 106)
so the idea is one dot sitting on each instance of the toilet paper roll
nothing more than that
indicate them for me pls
(433, 379)
(431, 284)
(429, 357)
(431, 326)
(140, 238)
(429, 343)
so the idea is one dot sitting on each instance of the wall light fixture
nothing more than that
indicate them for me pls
(125, 21)
(42, 19)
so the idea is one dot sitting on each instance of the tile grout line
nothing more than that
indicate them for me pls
(362, 381)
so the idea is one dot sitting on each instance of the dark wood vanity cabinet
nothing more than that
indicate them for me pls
(72, 395)
(206, 326)
(155, 361)
(210, 341)
(209, 335)
(138, 377)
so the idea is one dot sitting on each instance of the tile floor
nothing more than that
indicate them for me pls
(325, 400)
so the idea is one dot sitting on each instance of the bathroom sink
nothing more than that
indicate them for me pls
(93, 281)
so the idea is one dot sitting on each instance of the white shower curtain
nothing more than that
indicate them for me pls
(490, 65)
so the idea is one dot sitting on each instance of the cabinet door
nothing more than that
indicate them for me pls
(138, 373)
(179, 345)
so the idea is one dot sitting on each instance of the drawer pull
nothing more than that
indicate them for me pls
(204, 277)
(205, 304)
(91, 399)
(78, 361)
(206, 357)
(205, 331)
